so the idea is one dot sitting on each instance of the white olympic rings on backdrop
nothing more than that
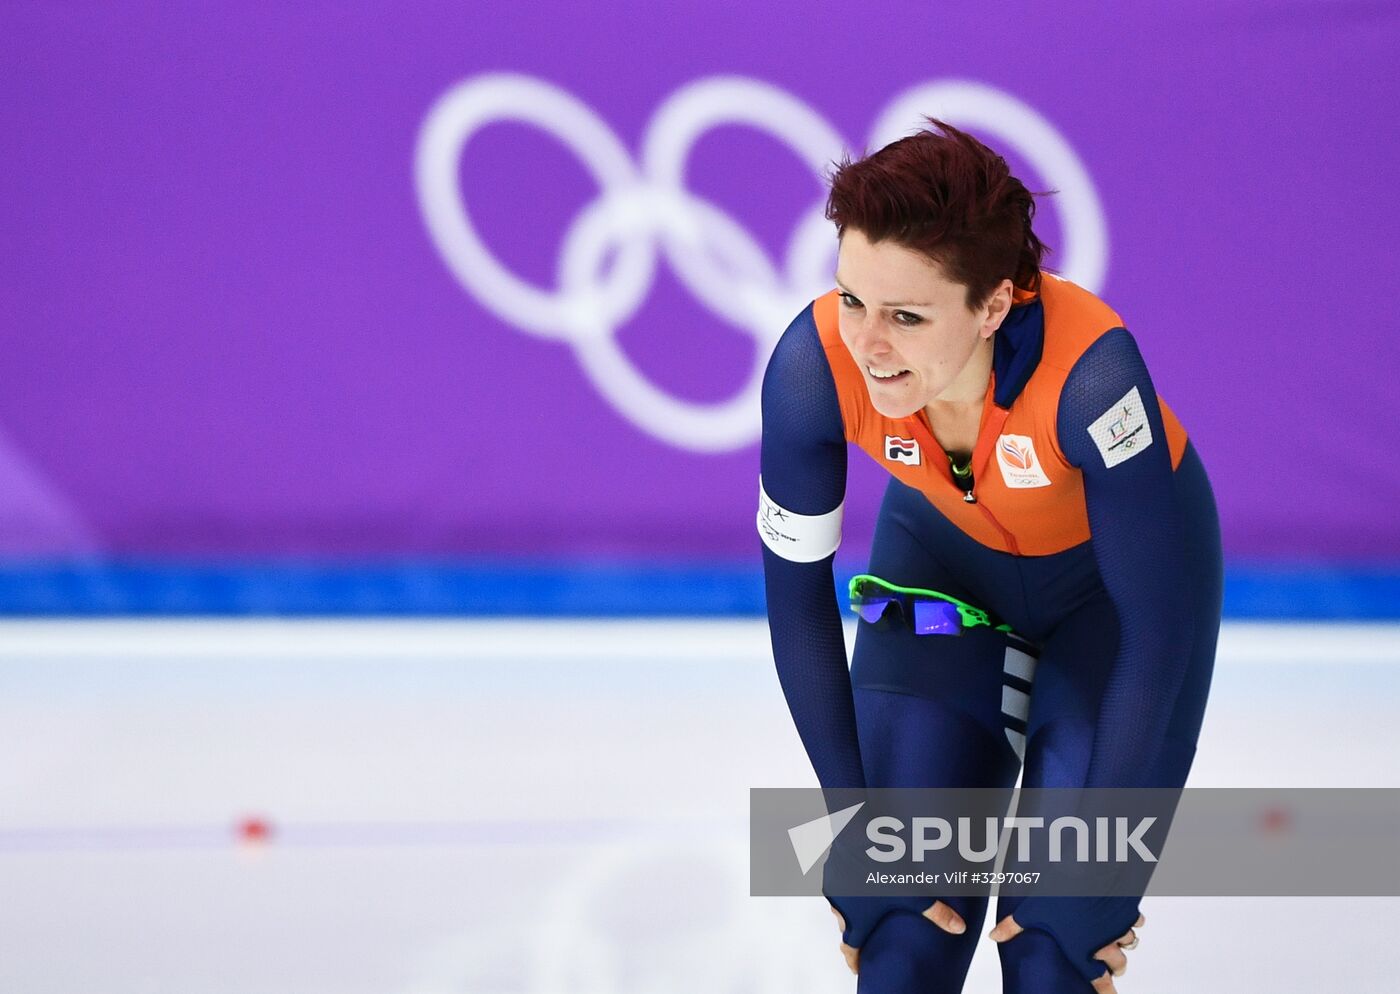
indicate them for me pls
(641, 209)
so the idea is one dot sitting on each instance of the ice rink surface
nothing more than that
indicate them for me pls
(541, 807)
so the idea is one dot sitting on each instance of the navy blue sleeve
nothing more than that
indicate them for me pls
(804, 471)
(1110, 426)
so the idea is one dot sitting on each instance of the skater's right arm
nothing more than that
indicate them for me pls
(803, 488)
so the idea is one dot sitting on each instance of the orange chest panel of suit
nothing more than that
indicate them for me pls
(1025, 498)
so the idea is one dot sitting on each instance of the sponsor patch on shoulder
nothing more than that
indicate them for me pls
(1123, 430)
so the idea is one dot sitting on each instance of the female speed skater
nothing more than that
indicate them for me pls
(1035, 474)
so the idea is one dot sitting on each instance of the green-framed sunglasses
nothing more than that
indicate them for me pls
(928, 612)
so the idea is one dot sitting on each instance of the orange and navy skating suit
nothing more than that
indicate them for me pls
(1087, 524)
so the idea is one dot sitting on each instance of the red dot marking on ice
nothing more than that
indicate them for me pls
(254, 831)
(1275, 819)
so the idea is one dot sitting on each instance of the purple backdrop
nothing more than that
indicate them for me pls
(241, 314)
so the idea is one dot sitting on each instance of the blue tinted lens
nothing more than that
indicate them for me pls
(871, 609)
(936, 618)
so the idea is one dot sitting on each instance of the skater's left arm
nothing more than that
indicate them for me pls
(1110, 426)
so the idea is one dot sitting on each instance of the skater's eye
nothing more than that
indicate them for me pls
(907, 319)
(850, 301)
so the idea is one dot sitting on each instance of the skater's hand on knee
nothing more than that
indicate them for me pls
(1112, 955)
(945, 918)
(939, 913)
(1005, 929)
(851, 953)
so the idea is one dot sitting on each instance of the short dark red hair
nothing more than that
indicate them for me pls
(945, 194)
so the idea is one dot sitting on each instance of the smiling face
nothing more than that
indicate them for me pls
(909, 329)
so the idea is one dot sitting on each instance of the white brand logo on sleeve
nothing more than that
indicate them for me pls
(905, 450)
(798, 538)
(1123, 430)
(1018, 463)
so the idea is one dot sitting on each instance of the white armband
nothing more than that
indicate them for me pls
(798, 538)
